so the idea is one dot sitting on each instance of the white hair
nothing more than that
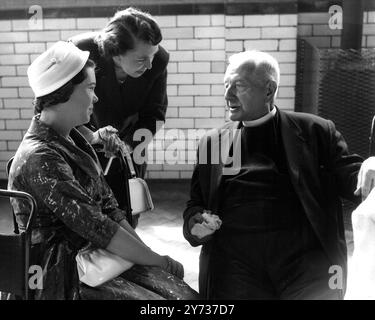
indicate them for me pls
(262, 64)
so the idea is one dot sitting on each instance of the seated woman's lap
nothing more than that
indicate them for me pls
(141, 283)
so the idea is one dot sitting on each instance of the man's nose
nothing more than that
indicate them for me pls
(228, 92)
(96, 99)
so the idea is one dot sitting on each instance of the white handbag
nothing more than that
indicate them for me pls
(139, 193)
(97, 266)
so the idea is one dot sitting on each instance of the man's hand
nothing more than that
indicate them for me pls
(366, 178)
(199, 229)
(107, 136)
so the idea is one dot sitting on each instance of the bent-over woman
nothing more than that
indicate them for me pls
(59, 168)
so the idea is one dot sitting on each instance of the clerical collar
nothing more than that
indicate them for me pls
(257, 122)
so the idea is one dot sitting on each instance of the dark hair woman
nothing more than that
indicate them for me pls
(57, 166)
(131, 85)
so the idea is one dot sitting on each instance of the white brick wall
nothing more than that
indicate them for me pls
(40, 36)
(196, 67)
(234, 21)
(91, 23)
(314, 28)
(193, 44)
(261, 20)
(264, 45)
(6, 48)
(188, 20)
(13, 37)
(198, 47)
(7, 71)
(242, 33)
(178, 33)
(60, 24)
(369, 30)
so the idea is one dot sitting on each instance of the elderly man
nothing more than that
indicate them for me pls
(282, 228)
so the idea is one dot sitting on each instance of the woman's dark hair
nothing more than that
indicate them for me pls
(63, 93)
(124, 29)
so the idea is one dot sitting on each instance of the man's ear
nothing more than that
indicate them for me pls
(271, 90)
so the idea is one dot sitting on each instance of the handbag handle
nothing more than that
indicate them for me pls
(125, 153)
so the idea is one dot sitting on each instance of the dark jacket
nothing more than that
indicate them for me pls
(321, 170)
(75, 204)
(137, 103)
(75, 207)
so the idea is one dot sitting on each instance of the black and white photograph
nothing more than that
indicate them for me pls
(199, 151)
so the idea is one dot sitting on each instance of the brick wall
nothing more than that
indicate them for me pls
(314, 28)
(198, 45)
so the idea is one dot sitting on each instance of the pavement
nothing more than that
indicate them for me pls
(161, 229)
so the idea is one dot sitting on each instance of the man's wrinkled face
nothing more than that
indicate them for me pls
(244, 94)
(136, 61)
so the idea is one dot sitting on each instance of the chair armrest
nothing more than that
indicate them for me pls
(22, 195)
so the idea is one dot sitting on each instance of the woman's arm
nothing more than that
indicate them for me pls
(127, 246)
(125, 225)
(54, 186)
(106, 136)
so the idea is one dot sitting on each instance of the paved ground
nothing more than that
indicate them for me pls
(162, 228)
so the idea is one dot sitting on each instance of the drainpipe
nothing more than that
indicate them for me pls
(351, 35)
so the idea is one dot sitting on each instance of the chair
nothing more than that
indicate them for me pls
(15, 250)
(9, 164)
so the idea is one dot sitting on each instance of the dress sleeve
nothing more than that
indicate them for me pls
(54, 185)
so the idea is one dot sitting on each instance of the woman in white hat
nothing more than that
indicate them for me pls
(59, 168)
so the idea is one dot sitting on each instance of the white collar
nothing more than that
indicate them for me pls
(257, 122)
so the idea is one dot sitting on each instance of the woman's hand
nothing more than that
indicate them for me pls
(173, 267)
(107, 136)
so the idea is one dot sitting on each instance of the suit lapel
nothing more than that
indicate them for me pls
(293, 143)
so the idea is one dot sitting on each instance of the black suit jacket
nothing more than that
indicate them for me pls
(321, 170)
(137, 103)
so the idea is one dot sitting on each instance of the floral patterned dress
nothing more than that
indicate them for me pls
(75, 207)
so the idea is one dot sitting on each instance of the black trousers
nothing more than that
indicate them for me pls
(270, 263)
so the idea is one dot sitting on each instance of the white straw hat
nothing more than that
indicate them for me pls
(55, 67)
